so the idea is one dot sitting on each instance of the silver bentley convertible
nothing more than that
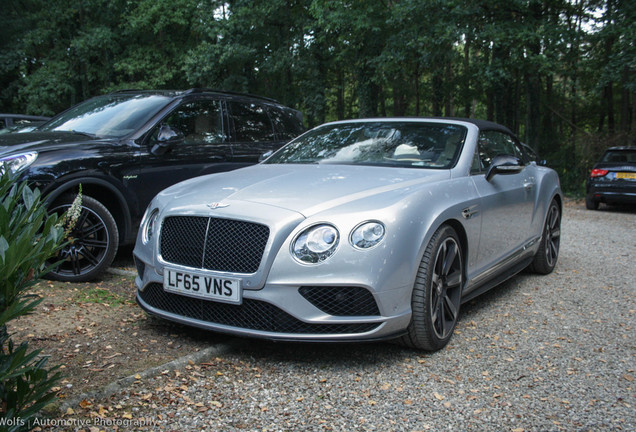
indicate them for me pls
(355, 231)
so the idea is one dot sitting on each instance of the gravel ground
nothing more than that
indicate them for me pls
(538, 353)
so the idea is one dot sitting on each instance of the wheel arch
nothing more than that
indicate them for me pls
(459, 229)
(104, 192)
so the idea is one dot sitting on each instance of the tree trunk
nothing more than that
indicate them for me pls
(438, 94)
(449, 108)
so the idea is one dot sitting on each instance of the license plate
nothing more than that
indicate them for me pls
(626, 175)
(225, 290)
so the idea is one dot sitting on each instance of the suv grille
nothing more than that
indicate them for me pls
(341, 301)
(214, 244)
(252, 314)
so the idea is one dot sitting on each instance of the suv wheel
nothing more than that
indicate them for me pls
(91, 244)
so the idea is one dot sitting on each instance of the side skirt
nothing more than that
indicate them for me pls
(497, 279)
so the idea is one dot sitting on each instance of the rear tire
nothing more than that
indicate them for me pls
(92, 243)
(437, 293)
(546, 257)
(591, 203)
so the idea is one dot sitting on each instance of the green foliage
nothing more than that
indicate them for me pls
(101, 296)
(28, 238)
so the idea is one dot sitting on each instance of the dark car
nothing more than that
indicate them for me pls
(613, 178)
(125, 147)
(19, 121)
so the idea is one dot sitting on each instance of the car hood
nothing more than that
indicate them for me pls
(305, 189)
(41, 141)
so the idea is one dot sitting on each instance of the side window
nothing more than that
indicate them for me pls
(201, 122)
(251, 122)
(286, 123)
(493, 143)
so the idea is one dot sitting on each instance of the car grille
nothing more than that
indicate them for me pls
(341, 301)
(251, 314)
(214, 244)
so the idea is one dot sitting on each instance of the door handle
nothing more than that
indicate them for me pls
(528, 185)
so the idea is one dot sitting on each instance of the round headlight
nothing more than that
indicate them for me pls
(150, 227)
(315, 244)
(367, 235)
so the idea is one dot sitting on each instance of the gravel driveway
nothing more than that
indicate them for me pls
(535, 354)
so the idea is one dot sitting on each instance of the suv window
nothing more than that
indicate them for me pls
(251, 122)
(491, 144)
(201, 122)
(286, 123)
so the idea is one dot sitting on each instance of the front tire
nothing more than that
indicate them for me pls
(546, 258)
(92, 243)
(436, 297)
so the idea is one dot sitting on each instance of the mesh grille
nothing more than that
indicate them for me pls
(252, 314)
(341, 301)
(213, 244)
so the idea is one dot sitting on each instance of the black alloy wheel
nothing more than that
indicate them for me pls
(437, 293)
(546, 258)
(91, 244)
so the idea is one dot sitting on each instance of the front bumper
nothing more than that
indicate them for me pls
(281, 312)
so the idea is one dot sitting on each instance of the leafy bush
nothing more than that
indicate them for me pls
(28, 238)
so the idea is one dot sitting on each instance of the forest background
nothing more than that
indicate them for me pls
(559, 73)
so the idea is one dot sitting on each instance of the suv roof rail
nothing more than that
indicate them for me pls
(229, 92)
(199, 90)
(126, 90)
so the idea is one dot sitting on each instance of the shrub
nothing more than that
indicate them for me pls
(28, 238)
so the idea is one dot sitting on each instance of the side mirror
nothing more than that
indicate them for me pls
(504, 164)
(167, 138)
(265, 155)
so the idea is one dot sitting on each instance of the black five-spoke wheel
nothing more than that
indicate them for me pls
(436, 297)
(546, 258)
(91, 243)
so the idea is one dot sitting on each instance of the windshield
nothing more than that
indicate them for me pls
(109, 116)
(403, 144)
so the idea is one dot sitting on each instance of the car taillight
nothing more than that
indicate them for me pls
(598, 172)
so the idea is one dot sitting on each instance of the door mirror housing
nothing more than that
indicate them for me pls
(167, 138)
(504, 164)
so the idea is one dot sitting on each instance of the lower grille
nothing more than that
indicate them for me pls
(252, 314)
(341, 301)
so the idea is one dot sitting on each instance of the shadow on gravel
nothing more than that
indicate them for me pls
(623, 208)
(326, 354)
(495, 295)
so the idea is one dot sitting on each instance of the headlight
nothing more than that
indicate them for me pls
(367, 234)
(150, 228)
(316, 244)
(17, 162)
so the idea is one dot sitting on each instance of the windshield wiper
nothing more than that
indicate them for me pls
(90, 135)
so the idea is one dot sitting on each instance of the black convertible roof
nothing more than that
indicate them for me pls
(481, 124)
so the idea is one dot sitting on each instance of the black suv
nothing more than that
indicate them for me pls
(125, 147)
(613, 178)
